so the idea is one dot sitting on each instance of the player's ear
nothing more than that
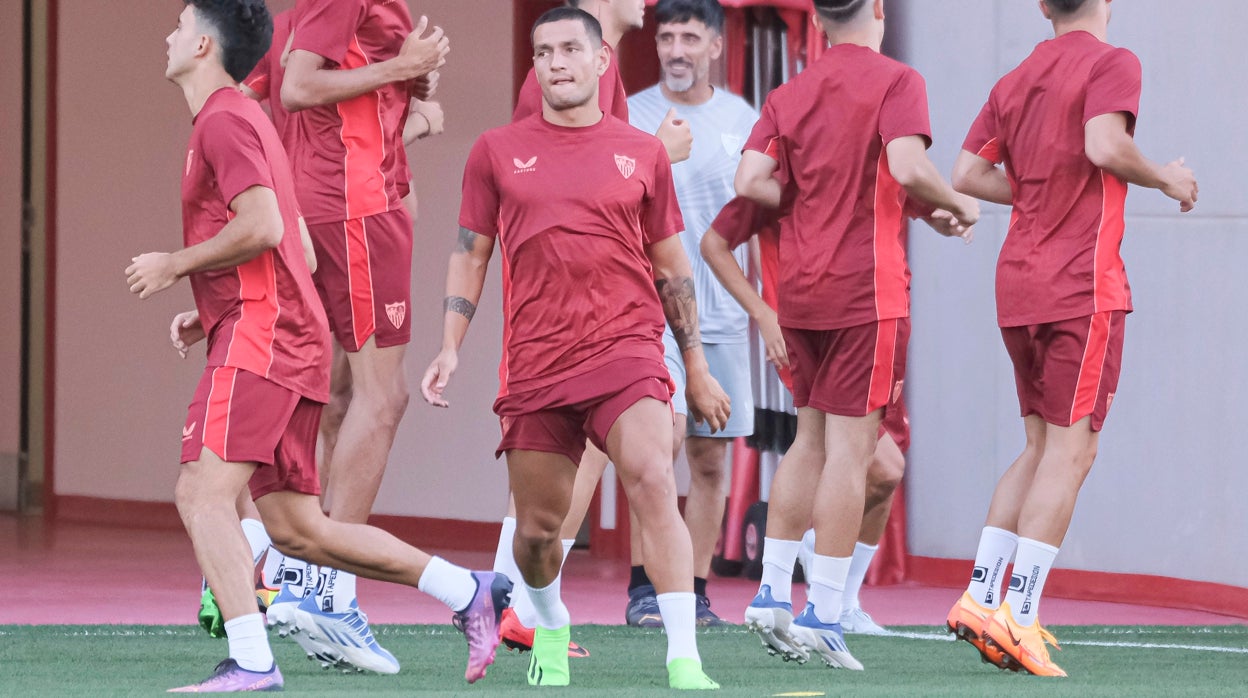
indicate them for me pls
(717, 46)
(878, 9)
(1044, 9)
(604, 60)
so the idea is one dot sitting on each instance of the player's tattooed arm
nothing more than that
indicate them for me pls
(461, 305)
(680, 307)
(465, 279)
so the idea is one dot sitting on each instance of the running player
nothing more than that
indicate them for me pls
(852, 131)
(689, 37)
(1062, 124)
(351, 69)
(583, 207)
(254, 416)
(616, 17)
(735, 225)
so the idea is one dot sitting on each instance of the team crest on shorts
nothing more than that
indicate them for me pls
(626, 165)
(397, 312)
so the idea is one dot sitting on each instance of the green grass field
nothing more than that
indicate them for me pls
(1101, 661)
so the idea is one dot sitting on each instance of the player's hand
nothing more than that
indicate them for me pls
(676, 136)
(185, 331)
(773, 339)
(966, 210)
(432, 111)
(151, 273)
(424, 87)
(947, 224)
(437, 376)
(707, 400)
(1179, 183)
(421, 55)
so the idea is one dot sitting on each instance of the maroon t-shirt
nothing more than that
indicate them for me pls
(262, 316)
(573, 210)
(611, 96)
(266, 78)
(1061, 257)
(350, 155)
(842, 251)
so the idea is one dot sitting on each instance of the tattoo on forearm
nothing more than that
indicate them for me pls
(467, 240)
(458, 304)
(681, 309)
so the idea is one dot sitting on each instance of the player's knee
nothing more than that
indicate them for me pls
(885, 475)
(652, 486)
(538, 530)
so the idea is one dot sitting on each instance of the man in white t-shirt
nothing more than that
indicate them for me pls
(689, 38)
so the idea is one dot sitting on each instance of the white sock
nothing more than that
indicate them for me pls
(863, 554)
(1031, 568)
(338, 592)
(299, 577)
(257, 538)
(273, 561)
(249, 642)
(548, 608)
(679, 612)
(504, 557)
(567, 548)
(827, 586)
(996, 547)
(451, 584)
(778, 558)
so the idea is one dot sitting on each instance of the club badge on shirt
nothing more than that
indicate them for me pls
(626, 165)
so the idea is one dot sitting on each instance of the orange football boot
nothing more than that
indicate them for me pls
(1022, 645)
(967, 619)
(519, 638)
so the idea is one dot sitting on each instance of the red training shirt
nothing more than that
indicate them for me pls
(842, 252)
(1061, 257)
(266, 79)
(350, 155)
(573, 210)
(262, 316)
(611, 96)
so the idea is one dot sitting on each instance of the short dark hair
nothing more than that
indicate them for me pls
(243, 27)
(708, 12)
(562, 14)
(1065, 7)
(838, 10)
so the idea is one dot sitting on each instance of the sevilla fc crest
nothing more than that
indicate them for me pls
(397, 312)
(626, 165)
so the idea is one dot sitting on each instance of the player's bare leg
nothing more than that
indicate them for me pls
(542, 486)
(1012, 488)
(642, 610)
(887, 467)
(639, 443)
(335, 411)
(704, 512)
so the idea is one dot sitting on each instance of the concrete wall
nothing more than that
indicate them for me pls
(10, 245)
(1165, 496)
(121, 392)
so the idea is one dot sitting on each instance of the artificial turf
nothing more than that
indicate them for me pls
(109, 660)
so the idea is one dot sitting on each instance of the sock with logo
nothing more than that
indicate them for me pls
(1031, 569)
(778, 559)
(273, 561)
(996, 547)
(337, 593)
(299, 577)
(257, 538)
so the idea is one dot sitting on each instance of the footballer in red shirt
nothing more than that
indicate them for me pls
(1061, 125)
(253, 421)
(849, 134)
(351, 69)
(584, 211)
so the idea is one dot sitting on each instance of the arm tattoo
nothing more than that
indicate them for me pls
(458, 304)
(467, 240)
(681, 309)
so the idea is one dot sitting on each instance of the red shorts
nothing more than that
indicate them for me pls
(558, 418)
(243, 418)
(852, 371)
(1067, 370)
(364, 277)
(896, 424)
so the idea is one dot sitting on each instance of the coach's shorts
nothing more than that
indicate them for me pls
(243, 418)
(730, 365)
(1067, 370)
(852, 371)
(558, 418)
(364, 277)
